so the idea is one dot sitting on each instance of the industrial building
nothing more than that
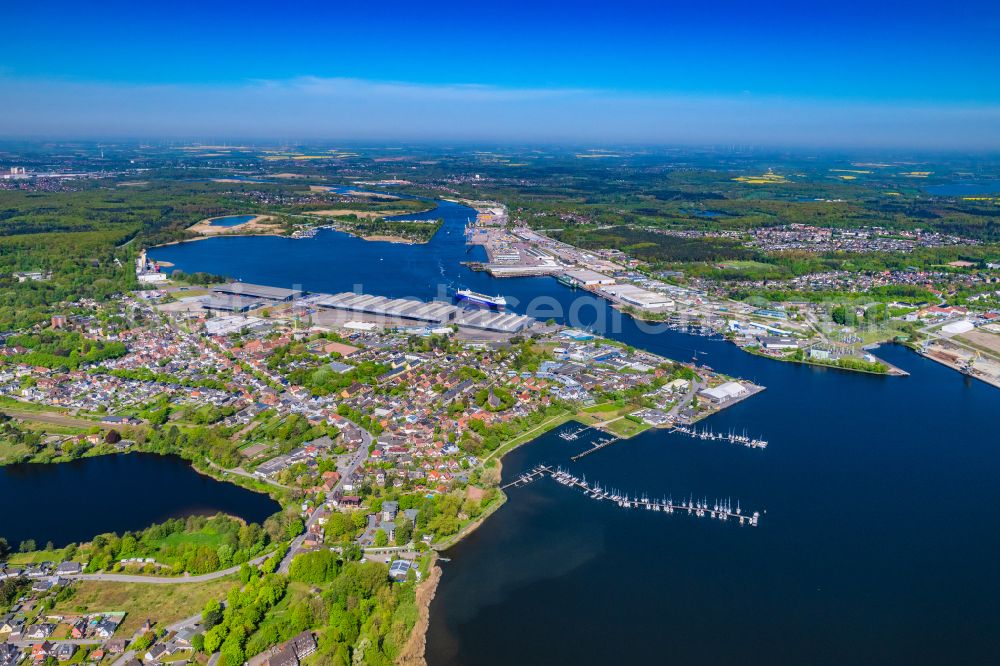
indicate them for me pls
(588, 278)
(633, 295)
(776, 342)
(724, 392)
(258, 291)
(229, 303)
(434, 312)
(500, 322)
(395, 308)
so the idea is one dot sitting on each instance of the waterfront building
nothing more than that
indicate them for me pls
(724, 392)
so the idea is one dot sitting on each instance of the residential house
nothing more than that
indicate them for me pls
(39, 632)
(10, 654)
(157, 652)
(68, 568)
(64, 651)
(41, 651)
(79, 628)
(295, 650)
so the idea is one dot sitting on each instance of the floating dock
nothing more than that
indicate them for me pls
(699, 508)
(731, 437)
(596, 446)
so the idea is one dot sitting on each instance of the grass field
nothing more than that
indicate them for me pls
(742, 265)
(203, 537)
(163, 604)
(603, 412)
(627, 428)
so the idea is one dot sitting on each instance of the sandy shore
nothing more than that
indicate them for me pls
(412, 653)
(260, 223)
(393, 239)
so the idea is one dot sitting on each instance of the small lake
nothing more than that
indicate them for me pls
(709, 214)
(231, 220)
(965, 189)
(74, 501)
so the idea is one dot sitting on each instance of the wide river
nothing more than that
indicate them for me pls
(879, 535)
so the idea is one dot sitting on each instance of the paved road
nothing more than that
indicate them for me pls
(356, 461)
(55, 418)
(696, 385)
(163, 580)
(71, 641)
(239, 471)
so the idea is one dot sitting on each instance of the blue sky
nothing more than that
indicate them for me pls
(823, 73)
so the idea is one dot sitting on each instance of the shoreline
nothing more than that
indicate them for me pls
(892, 371)
(414, 650)
(201, 238)
(261, 221)
(378, 238)
(956, 368)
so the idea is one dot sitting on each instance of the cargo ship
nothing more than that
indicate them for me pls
(475, 298)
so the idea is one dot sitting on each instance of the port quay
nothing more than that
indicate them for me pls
(699, 508)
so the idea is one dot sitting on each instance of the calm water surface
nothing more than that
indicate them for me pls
(879, 535)
(968, 189)
(73, 501)
(231, 220)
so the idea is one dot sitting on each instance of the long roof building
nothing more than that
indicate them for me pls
(258, 291)
(434, 312)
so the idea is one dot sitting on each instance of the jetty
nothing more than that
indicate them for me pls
(596, 446)
(526, 478)
(573, 435)
(731, 437)
(719, 509)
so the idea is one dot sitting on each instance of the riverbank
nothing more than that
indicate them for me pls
(413, 652)
(891, 370)
(392, 239)
(957, 367)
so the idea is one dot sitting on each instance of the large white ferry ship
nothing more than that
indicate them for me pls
(469, 296)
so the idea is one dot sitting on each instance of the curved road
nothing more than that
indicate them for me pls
(163, 580)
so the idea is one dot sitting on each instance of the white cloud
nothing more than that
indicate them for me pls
(343, 108)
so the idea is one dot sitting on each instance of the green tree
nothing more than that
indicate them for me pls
(404, 530)
(211, 615)
(294, 528)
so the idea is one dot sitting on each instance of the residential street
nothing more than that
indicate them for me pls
(359, 457)
(164, 580)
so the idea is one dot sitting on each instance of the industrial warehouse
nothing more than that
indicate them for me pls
(258, 291)
(435, 312)
(241, 297)
(395, 308)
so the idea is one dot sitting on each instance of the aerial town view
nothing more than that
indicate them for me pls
(562, 341)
